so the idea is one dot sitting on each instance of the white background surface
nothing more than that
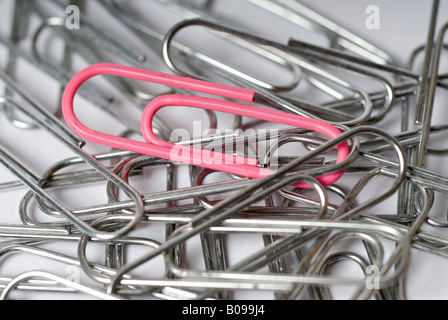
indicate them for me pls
(403, 27)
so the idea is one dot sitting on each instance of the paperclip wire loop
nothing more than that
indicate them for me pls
(260, 94)
(162, 149)
(44, 275)
(141, 28)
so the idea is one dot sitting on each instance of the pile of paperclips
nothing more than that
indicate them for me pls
(314, 179)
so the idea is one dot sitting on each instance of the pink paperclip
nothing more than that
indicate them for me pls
(155, 147)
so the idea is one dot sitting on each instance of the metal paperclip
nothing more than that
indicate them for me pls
(78, 43)
(18, 32)
(34, 250)
(50, 180)
(139, 27)
(299, 218)
(224, 209)
(336, 33)
(299, 107)
(89, 92)
(304, 16)
(32, 180)
(47, 276)
(92, 35)
(426, 98)
(423, 92)
(67, 57)
(251, 281)
(428, 110)
(140, 98)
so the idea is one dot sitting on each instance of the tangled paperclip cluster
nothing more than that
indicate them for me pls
(313, 174)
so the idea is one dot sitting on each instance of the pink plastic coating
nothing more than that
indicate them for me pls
(156, 147)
